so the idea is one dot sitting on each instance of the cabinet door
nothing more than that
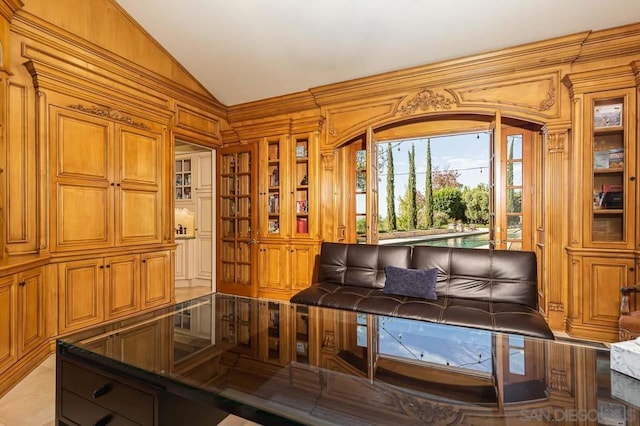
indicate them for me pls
(204, 236)
(237, 216)
(610, 185)
(31, 311)
(122, 285)
(81, 184)
(602, 279)
(156, 278)
(203, 171)
(8, 352)
(138, 199)
(303, 260)
(273, 196)
(80, 294)
(273, 264)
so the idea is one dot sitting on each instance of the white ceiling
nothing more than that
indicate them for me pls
(245, 50)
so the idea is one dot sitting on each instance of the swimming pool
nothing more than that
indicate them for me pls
(476, 240)
(468, 241)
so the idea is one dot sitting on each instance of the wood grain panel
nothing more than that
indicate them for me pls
(138, 157)
(8, 353)
(122, 285)
(80, 294)
(138, 216)
(84, 216)
(31, 310)
(83, 147)
(155, 278)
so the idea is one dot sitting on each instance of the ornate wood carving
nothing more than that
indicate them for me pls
(531, 94)
(110, 113)
(328, 159)
(332, 130)
(558, 380)
(548, 102)
(426, 100)
(429, 413)
(556, 307)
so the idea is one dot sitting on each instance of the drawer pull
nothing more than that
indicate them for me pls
(101, 391)
(104, 421)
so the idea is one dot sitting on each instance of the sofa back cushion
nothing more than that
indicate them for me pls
(489, 275)
(359, 265)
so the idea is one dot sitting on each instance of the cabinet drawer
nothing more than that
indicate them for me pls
(109, 393)
(83, 412)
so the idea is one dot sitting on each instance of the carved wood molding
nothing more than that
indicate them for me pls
(110, 113)
(328, 160)
(556, 307)
(558, 380)
(8, 8)
(425, 100)
(429, 412)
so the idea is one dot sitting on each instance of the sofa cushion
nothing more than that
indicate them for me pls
(411, 282)
(503, 317)
(359, 265)
(487, 275)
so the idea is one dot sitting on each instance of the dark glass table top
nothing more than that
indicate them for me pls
(324, 366)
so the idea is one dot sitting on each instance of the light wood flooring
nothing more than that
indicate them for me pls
(32, 401)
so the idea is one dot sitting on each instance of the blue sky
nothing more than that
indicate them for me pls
(467, 153)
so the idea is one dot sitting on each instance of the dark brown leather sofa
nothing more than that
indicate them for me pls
(488, 289)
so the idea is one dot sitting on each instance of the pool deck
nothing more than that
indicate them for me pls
(431, 237)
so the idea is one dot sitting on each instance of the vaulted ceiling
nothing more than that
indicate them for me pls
(246, 50)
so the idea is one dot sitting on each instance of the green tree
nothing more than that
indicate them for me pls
(476, 201)
(428, 193)
(391, 207)
(448, 200)
(403, 211)
(411, 188)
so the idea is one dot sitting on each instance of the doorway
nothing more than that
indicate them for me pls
(194, 221)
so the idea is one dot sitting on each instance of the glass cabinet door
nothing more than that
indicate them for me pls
(301, 193)
(183, 179)
(237, 184)
(610, 163)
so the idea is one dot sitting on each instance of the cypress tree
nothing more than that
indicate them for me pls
(413, 209)
(428, 193)
(391, 207)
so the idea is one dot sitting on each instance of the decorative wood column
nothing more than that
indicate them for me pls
(554, 280)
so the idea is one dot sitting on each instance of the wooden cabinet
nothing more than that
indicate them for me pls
(31, 310)
(122, 285)
(273, 264)
(8, 335)
(22, 315)
(80, 294)
(609, 184)
(95, 290)
(595, 305)
(111, 194)
(155, 279)
(604, 230)
(288, 186)
(285, 268)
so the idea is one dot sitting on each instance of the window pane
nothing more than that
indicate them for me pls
(514, 147)
(516, 361)
(514, 200)
(361, 204)
(361, 338)
(361, 160)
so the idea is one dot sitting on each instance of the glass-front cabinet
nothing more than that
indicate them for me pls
(610, 163)
(183, 179)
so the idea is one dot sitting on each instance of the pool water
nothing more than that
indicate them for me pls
(468, 241)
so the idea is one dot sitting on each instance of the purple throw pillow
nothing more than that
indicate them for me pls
(411, 282)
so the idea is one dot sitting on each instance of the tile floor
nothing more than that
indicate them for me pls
(32, 401)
